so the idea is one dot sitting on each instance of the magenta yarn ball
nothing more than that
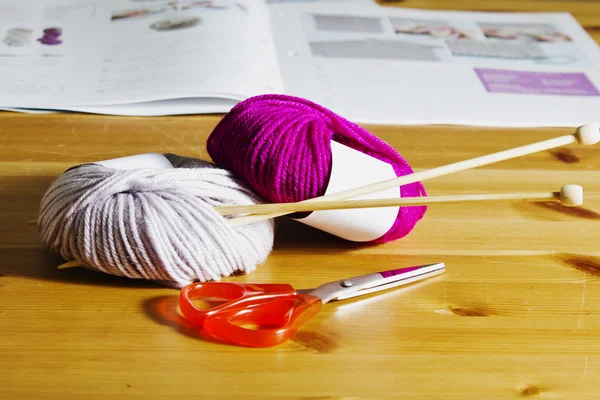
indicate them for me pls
(281, 147)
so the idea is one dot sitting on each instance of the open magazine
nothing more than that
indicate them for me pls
(368, 63)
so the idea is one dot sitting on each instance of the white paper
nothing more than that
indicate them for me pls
(370, 64)
(398, 66)
(148, 160)
(163, 107)
(114, 52)
(350, 169)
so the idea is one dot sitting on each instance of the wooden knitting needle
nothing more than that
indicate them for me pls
(569, 195)
(585, 135)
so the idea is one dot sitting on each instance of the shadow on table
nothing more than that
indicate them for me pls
(553, 211)
(22, 253)
(41, 264)
(164, 310)
(36, 262)
(291, 234)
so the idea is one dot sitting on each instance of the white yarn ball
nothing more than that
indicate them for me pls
(154, 224)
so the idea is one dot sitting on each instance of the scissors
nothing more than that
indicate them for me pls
(274, 312)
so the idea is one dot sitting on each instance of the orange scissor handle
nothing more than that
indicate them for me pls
(272, 321)
(229, 295)
(274, 311)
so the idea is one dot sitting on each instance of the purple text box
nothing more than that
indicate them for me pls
(549, 83)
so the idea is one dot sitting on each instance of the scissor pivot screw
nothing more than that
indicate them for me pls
(346, 283)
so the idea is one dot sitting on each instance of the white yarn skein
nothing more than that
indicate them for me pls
(153, 224)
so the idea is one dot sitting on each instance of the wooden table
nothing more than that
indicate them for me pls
(517, 314)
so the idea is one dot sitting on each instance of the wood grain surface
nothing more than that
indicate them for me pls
(516, 315)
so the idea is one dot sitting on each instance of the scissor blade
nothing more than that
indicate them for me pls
(404, 271)
(398, 277)
(360, 285)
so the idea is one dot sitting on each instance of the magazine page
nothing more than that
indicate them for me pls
(62, 54)
(399, 66)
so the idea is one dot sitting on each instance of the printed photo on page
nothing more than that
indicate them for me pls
(440, 67)
(518, 43)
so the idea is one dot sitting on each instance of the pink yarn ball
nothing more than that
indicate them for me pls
(281, 147)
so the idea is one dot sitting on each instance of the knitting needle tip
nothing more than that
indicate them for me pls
(571, 195)
(588, 134)
(69, 264)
